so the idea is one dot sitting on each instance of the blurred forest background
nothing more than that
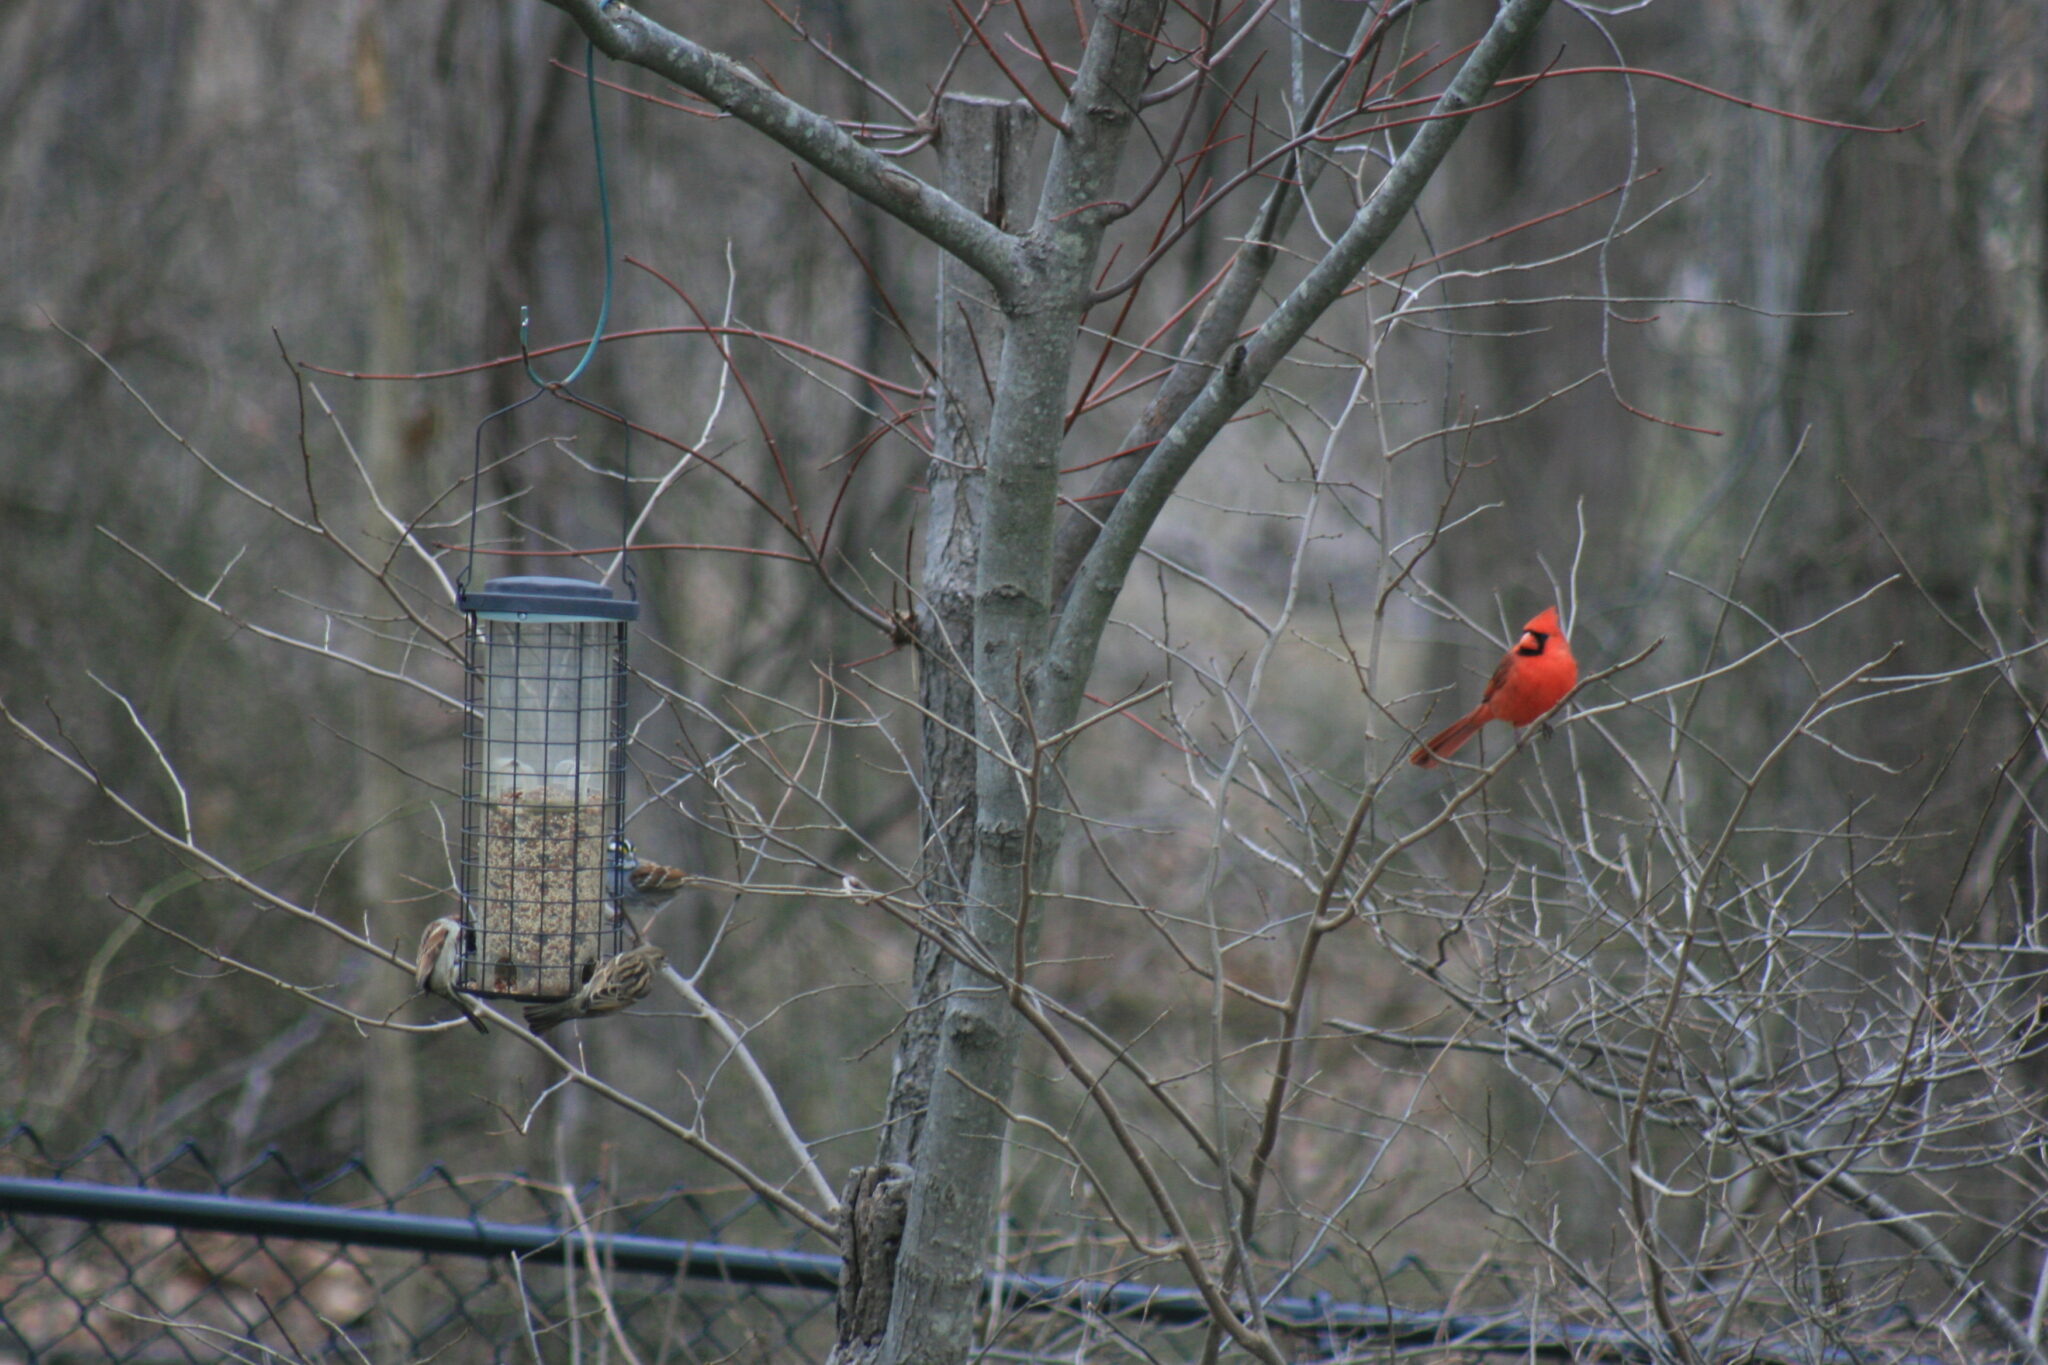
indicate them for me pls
(200, 187)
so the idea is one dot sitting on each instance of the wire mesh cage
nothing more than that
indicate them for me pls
(544, 856)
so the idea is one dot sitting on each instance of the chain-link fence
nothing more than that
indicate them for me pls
(107, 1257)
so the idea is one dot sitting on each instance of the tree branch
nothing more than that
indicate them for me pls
(1101, 574)
(626, 35)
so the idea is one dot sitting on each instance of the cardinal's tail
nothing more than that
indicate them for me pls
(1451, 738)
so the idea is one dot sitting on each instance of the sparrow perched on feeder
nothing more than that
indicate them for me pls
(640, 883)
(650, 884)
(617, 983)
(435, 971)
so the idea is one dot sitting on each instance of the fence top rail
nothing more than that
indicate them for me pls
(755, 1267)
(424, 1233)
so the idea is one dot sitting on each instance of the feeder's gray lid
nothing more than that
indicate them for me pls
(529, 595)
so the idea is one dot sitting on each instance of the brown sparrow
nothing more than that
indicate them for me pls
(435, 971)
(640, 884)
(617, 983)
(651, 884)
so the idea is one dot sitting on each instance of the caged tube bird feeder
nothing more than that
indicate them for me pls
(544, 856)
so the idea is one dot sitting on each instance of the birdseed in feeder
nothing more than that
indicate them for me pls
(541, 911)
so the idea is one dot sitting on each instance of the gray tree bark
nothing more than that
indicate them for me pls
(983, 149)
(984, 146)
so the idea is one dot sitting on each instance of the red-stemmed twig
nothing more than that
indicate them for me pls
(696, 108)
(1109, 338)
(1094, 395)
(1650, 74)
(860, 77)
(1052, 68)
(633, 334)
(867, 268)
(1313, 131)
(974, 26)
(637, 547)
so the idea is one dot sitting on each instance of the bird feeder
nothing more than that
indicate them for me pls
(543, 792)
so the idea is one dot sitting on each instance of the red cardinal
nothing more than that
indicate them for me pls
(1533, 677)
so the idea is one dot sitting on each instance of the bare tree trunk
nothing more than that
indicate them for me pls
(954, 1173)
(983, 146)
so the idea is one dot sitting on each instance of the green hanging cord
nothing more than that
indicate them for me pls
(542, 386)
(604, 210)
